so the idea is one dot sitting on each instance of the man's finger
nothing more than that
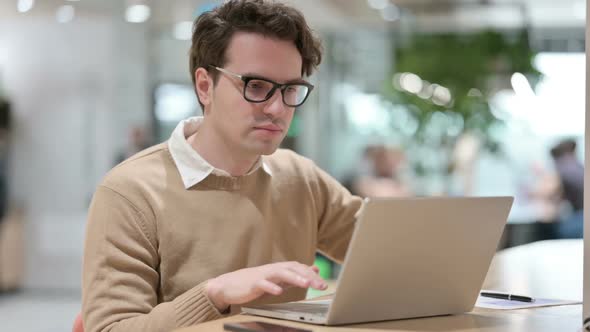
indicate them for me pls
(290, 277)
(308, 272)
(269, 287)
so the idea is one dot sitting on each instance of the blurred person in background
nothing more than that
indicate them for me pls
(217, 216)
(379, 173)
(542, 193)
(571, 174)
(138, 141)
(464, 157)
(5, 122)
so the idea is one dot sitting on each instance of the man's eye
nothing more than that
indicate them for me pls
(255, 85)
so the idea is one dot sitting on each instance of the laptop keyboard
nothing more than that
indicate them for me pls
(309, 308)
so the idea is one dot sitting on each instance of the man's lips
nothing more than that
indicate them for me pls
(270, 127)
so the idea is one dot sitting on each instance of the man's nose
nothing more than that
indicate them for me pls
(274, 105)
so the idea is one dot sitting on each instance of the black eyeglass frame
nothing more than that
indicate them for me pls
(275, 86)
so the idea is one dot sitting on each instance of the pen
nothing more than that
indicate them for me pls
(509, 297)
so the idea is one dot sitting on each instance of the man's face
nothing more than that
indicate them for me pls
(248, 128)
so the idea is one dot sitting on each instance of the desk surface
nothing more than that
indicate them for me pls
(543, 269)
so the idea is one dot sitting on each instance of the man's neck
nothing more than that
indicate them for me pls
(221, 156)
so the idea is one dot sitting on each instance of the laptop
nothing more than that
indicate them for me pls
(411, 257)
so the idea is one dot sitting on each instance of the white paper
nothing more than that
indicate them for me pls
(492, 303)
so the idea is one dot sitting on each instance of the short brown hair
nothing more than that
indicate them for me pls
(213, 30)
(565, 147)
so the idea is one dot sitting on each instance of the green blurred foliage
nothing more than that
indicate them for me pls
(461, 62)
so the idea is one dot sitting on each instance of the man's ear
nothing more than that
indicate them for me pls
(204, 86)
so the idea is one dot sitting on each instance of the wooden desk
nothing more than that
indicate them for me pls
(542, 269)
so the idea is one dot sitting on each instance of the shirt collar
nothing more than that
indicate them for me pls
(193, 168)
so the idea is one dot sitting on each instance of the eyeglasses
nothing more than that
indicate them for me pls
(258, 90)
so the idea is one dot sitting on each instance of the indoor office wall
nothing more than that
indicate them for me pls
(172, 59)
(76, 89)
(171, 86)
(356, 63)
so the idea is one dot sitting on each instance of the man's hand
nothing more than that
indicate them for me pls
(245, 285)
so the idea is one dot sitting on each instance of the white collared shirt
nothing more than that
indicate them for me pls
(193, 168)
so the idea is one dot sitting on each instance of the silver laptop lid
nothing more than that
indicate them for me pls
(418, 257)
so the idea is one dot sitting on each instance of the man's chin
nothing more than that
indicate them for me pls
(265, 149)
(269, 150)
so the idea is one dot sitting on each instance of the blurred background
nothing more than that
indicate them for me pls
(413, 98)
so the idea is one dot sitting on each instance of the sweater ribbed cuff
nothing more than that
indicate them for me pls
(195, 307)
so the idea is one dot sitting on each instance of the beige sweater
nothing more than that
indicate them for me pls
(151, 245)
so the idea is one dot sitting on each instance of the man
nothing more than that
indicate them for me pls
(5, 124)
(217, 216)
(571, 175)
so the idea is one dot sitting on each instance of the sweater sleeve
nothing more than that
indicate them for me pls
(338, 211)
(120, 274)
